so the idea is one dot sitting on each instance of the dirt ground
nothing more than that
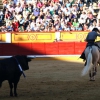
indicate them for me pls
(54, 80)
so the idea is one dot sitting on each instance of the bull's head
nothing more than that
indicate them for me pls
(23, 61)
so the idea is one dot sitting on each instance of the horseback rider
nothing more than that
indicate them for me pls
(90, 39)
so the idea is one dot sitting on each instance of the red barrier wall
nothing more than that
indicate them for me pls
(55, 48)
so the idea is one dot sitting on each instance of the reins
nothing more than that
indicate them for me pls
(20, 67)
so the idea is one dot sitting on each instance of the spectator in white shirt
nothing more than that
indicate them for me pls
(18, 8)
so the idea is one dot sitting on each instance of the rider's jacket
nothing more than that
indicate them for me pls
(92, 36)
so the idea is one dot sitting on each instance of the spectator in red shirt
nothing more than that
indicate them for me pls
(15, 25)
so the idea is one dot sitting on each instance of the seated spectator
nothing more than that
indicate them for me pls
(26, 23)
(75, 23)
(98, 4)
(80, 4)
(68, 4)
(42, 27)
(15, 25)
(39, 4)
(85, 27)
(67, 27)
(28, 28)
(32, 25)
(36, 11)
(53, 29)
(3, 29)
(1, 16)
(4, 2)
(90, 27)
(50, 15)
(90, 15)
(18, 8)
(21, 23)
(91, 8)
(9, 27)
(80, 27)
(83, 15)
(73, 28)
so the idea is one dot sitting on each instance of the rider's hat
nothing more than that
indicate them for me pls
(95, 29)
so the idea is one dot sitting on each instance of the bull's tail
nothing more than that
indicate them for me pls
(88, 64)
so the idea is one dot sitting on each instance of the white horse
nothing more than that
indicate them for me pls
(92, 55)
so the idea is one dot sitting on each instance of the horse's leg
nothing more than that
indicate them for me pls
(93, 73)
(94, 70)
(90, 75)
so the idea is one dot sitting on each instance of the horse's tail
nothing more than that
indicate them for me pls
(88, 64)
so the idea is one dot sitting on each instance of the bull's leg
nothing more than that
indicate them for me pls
(15, 89)
(11, 87)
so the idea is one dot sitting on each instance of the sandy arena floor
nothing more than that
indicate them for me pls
(54, 80)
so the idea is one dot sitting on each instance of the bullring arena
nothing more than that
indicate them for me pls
(54, 79)
(50, 78)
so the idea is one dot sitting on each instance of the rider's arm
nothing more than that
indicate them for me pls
(85, 40)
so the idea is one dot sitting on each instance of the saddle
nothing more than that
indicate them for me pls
(95, 44)
(83, 54)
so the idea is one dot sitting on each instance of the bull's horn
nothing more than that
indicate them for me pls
(30, 56)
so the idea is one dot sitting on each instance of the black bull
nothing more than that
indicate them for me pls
(9, 70)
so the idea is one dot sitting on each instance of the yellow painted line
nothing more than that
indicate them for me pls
(68, 58)
(71, 58)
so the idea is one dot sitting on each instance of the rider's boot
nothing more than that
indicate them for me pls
(82, 56)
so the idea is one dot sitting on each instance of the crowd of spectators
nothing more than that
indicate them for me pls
(49, 15)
